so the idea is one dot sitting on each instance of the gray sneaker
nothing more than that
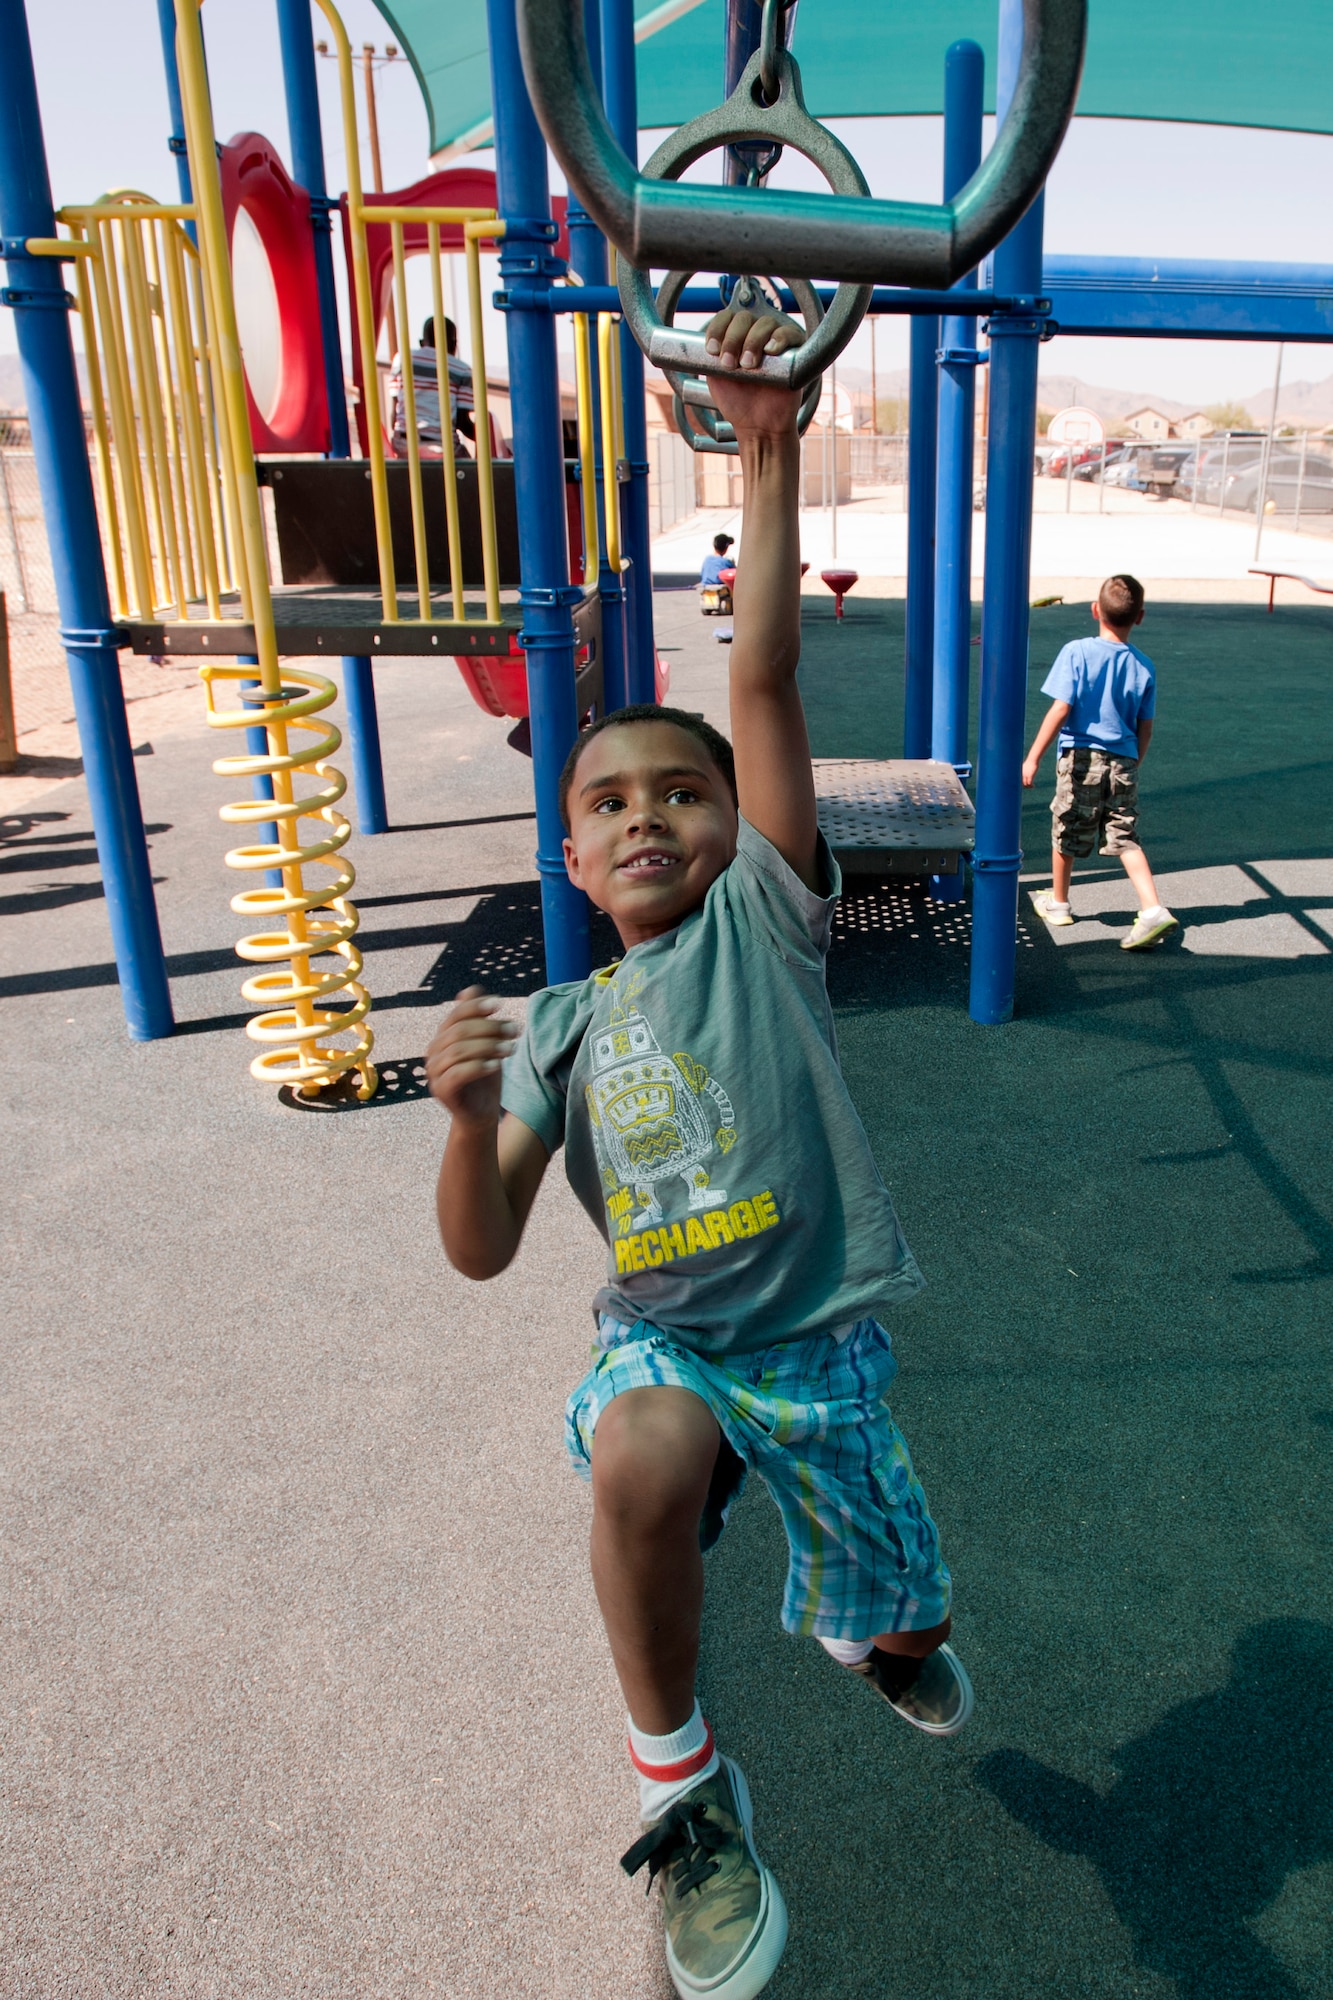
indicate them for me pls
(939, 1700)
(1148, 930)
(1057, 916)
(726, 1922)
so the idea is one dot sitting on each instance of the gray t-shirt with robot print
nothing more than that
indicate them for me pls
(707, 1128)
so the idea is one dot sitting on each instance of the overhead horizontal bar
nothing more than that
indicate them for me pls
(705, 299)
(1188, 299)
(1171, 299)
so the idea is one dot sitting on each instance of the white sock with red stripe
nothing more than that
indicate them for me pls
(669, 1766)
(848, 1652)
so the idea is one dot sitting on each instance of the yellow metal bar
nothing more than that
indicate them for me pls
(96, 211)
(409, 393)
(587, 449)
(365, 314)
(149, 398)
(490, 560)
(67, 248)
(457, 215)
(177, 470)
(191, 404)
(106, 478)
(233, 411)
(131, 340)
(447, 456)
(606, 390)
(124, 429)
(617, 393)
(221, 474)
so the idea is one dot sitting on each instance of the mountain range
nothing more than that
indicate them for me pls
(1307, 405)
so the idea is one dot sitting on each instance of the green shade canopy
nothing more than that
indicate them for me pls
(1207, 62)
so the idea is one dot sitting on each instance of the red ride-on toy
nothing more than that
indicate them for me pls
(715, 598)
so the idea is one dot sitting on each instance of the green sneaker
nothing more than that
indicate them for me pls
(726, 1922)
(939, 1700)
(1149, 927)
(1045, 907)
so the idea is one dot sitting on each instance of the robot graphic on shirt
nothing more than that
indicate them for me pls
(653, 1116)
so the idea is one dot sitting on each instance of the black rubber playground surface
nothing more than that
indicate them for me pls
(304, 1690)
(1119, 1391)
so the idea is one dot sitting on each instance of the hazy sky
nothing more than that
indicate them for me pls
(1117, 188)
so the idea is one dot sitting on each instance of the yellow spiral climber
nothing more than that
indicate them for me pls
(299, 1029)
(300, 1033)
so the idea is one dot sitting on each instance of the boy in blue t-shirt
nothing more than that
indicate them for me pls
(752, 1246)
(1105, 698)
(712, 566)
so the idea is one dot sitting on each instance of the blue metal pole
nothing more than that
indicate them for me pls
(587, 256)
(37, 295)
(166, 21)
(261, 784)
(1015, 338)
(527, 266)
(922, 415)
(363, 730)
(964, 71)
(307, 143)
(621, 91)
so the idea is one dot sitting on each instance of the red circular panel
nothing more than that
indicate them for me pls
(255, 179)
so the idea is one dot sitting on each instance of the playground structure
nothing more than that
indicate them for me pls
(179, 561)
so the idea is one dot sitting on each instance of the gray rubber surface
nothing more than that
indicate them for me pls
(304, 1683)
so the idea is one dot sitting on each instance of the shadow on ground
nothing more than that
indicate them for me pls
(1115, 1386)
(1209, 1813)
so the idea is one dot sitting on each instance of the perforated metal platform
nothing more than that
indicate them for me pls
(327, 620)
(893, 815)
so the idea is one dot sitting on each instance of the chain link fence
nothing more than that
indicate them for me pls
(36, 658)
(38, 676)
(1231, 475)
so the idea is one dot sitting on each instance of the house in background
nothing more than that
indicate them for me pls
(1195, 425)
(1149, 424)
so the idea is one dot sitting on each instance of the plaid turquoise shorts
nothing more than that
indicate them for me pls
(811, 1417)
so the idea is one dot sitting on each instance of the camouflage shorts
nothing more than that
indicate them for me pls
(1096, 803)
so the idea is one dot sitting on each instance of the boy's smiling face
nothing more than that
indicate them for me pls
(652, 824)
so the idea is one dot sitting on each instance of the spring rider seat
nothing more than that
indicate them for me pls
(839, 581)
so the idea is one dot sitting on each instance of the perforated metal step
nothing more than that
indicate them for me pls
(893, 815)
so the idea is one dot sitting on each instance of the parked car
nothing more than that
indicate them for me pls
(1057, 465)
(1240, 473)
(1163, 466)
(1214, 460)
(1092, 465)
(1129, 469)
(1215, 457)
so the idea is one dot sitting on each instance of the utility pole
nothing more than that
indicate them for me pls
(874, 383)
(376, 170)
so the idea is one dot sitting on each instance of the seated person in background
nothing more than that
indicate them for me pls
(425, 386)
(713, 566)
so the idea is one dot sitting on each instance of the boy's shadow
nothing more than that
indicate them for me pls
(1211, 1811)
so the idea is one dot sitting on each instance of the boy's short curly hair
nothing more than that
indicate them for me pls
(1120, 600)
(714, 742)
